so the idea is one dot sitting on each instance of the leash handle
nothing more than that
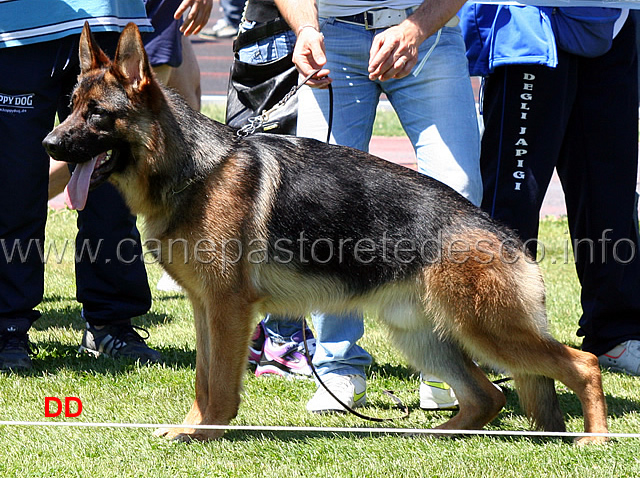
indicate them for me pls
(330, 122)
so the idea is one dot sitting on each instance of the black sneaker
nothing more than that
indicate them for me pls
(15, 350)
(118, 341)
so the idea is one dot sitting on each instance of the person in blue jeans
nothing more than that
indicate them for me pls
(415, 55)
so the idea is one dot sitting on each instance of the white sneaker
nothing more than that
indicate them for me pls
(436, 395)
(624, 357)
(350, 389)
(222, 29)
(167, 284)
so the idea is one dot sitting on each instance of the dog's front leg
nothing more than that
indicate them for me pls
(223, 329)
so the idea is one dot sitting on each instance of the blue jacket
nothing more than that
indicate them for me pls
(498, 35)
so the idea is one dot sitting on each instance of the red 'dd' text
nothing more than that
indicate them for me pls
(53, 406)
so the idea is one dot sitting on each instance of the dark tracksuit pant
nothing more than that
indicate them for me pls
(581, 118)
(35, 83)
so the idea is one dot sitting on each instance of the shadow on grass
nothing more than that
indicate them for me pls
(570, 405)
(54, 356)
(70, 317)
(50, 298)
(239, 436)
(390, 370)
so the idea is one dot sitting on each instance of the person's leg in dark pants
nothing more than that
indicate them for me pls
(30, 95)
(526, 109)
(598, 170)
(111, 280)
(113, 285)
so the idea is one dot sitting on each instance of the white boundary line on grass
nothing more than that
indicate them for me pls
(266, 428)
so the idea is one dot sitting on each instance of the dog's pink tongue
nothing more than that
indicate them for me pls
(77, 190)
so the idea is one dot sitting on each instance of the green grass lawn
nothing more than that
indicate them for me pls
(123, 392)
(116, 391)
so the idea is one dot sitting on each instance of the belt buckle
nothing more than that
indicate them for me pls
(383, 18)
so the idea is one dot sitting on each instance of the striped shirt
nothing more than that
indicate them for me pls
(23, 22)
(335, 8)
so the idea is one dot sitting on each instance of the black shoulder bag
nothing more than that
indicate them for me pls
(257, 88)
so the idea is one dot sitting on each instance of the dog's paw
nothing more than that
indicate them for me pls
(184, 435)
(587, 441)
(187, 435)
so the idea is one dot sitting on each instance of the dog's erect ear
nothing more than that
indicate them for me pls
(91, 56)
(131, 59)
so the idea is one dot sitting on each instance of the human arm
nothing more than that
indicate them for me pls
(394, 52)
(309, 52)
(198, 16)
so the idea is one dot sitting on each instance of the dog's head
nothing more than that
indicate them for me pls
(112, 107)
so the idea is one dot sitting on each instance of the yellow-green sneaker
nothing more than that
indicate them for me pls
(436, 395)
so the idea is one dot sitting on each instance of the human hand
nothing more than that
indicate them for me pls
(309, 56)
(394, 52)
(199, 12)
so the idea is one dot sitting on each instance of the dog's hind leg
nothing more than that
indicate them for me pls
(513, 338)
(509, 341)
(576, 369)
(223, 328)
(539, 400)
(496, 311)
(480, 401)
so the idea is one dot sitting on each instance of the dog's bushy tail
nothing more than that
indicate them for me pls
(539, 400)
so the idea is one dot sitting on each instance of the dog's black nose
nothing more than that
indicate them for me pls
(52, 144)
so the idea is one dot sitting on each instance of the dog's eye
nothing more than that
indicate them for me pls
(98, 112)
(99, 117)
(94, 109)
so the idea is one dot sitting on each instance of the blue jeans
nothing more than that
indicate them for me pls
(269, 49)
(436, 108)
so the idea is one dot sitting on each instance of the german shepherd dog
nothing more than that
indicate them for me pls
(288, 225)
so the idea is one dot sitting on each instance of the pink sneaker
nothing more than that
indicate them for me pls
(288, 358)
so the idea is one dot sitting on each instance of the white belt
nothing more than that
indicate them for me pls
(385, 17)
